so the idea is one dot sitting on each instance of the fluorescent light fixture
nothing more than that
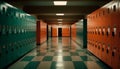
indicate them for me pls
(60, 3)
(59, 22)
(59, 19)
(60, 14)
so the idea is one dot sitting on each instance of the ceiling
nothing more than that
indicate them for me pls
(46, 11)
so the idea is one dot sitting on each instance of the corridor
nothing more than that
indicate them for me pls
(59, 53)
(65, 34)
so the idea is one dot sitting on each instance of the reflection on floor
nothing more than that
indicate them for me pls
(59, 53)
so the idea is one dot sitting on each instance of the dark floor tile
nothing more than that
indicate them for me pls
(32, 65)
(102, 65)
(48, 58)
(86, 58)
(41, 54)
(74, 54)
(79, 65)
(53, 65)
(27, 58)
(67, 58)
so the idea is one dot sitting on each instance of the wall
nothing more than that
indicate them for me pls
(54, 31)
(17, 34)
(65, 30)
(104, 34)
(79, 33)
(41, 32)
(73, 32)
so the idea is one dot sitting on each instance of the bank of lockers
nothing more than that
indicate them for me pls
(104, 34)
(17, 33)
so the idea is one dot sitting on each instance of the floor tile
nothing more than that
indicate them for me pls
(44, 65)
(19, 65)
(74, 54)
(59, 54)
(32, 65)
(48, 58)
(67, 58)
(58, 58)
(82, 54)
(68, 65)
(27, 58)
(41, 54)
(102, 65)
(76, 58)
(38, 58)
(79, 65)
(86, 58)
(66, 54)
(92, 65)
(53, 65)
(50, 54)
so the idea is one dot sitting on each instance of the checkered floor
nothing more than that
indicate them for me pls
(59, 53)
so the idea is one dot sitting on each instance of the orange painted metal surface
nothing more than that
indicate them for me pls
(66, 31)
(73, 31)
(41, 32)
(103, 30)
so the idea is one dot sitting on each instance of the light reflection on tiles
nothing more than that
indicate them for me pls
(59, 53)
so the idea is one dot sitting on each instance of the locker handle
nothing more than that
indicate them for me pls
(113, 34)
(102, 33)
(107, 33)
(102, 49)
(98, 47)
(107, 51)
(113, 54)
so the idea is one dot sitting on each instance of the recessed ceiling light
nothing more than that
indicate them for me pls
(59, 22)
(60, 14)
(60, 2)
(59, 19)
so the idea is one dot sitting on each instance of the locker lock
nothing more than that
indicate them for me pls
(113, 53)
(107, 51)
(102, 49)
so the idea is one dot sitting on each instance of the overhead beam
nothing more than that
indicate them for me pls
(59, 9)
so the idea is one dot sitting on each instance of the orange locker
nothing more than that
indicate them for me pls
(108, 55)
(114, 55)
(66, 31)
(41, 32)
(54, 31)
(103, 52)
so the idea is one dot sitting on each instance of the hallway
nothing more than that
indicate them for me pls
(65, 34)
(59, 53)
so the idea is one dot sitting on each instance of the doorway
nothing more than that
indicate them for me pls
(59, 32)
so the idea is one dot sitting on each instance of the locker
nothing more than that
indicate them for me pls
(114, 58)
(14, 22)
(103, 57)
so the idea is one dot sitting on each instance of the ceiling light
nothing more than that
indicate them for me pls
(60, 14)
(59, 22)
(60, 2)
(59, 19)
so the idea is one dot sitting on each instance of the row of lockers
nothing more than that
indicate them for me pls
(104, 51)
(41, 32)
(73, 31)
(103, 33)
(65, 30)
(17, 33)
